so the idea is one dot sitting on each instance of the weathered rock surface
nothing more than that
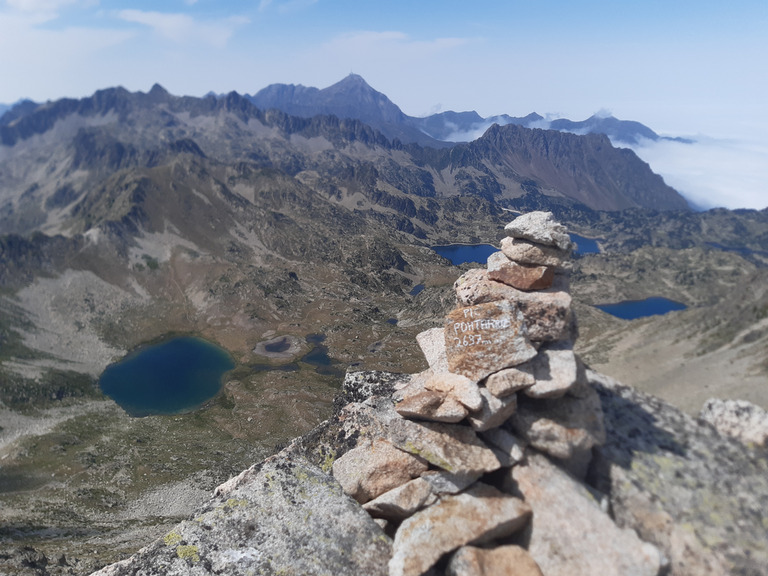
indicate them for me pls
(486, 338)
(555, 369)
(507, 447)
(432, 344)
(458, 387)
(541, 228)
(700, 497)
(494, 411)
(373, 468)
(520, 276)
(431, 405)
(260, 523)
(480, 514)
(403, 501)
(566, 428)
(510, 380)
(527, 252)
(455, 449)
(570, 535)
(501, 561)
(738, 419)
(547, 313)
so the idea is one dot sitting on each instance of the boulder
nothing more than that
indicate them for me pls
(541, 228)
(520, 276)
(526, 252)
(502, 561)
(570, 535)
(738, 419)
(371, 469)
(480, 514)
(547, 313)
(258, 524)
(486, 338)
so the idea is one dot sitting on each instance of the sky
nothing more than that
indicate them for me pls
(682, 67)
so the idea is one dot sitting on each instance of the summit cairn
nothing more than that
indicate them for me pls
(504, 391)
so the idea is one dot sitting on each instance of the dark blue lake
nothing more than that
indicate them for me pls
(633, 309)
(462, 253)
(175, 376)
(585, 245)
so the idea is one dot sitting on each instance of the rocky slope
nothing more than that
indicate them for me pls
(505, 457)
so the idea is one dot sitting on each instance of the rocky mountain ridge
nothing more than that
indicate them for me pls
(352, 97)
(506, 456)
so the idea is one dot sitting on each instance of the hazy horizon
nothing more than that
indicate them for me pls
(683, 69)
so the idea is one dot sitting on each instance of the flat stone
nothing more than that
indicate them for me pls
(443, 482)
(541, 228)
(565, 428)
(509, 449)
(527, 252)
(486, 338)
(570, 535)
(502, 561)
(547, 313)
(480, 514)
(495, 411)
(451, 447)
(510, 380)
(433, 406)
(259, 524)
(432, 344)
(520, 276)
(369, 470)
(456, 386)
(403, 501)
(556, 370)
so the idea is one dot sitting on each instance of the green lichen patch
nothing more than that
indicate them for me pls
(188, 552)
(173, 538)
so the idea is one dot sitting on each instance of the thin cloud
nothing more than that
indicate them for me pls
(182, 28)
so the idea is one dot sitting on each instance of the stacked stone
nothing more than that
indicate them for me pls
(421, 467)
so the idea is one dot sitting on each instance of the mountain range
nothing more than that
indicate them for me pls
(126, 217)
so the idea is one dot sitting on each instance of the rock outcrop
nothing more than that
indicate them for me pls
(507, 456)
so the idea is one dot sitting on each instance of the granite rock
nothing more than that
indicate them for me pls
(494, 411)
(480, 514)
(556, 370)
(520, 276)
(510, 380)
(541, 228)
(738, 419)
(570, 535)
(509, 449)
(371, 469)
(502, 561)
(259, 524)
(526, 252)
(432, 344)
(547, 313)
(486, 338)
(456, 386)
(403, 501)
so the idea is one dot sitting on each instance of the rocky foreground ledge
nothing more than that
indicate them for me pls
(506, 457)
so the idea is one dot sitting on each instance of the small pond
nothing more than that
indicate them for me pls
(633, 309)
(172, 377)
(585, 245)
(462, 253)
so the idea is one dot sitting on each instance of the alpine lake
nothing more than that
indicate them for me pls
(626, 310)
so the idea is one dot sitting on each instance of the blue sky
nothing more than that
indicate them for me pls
(694, 68)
